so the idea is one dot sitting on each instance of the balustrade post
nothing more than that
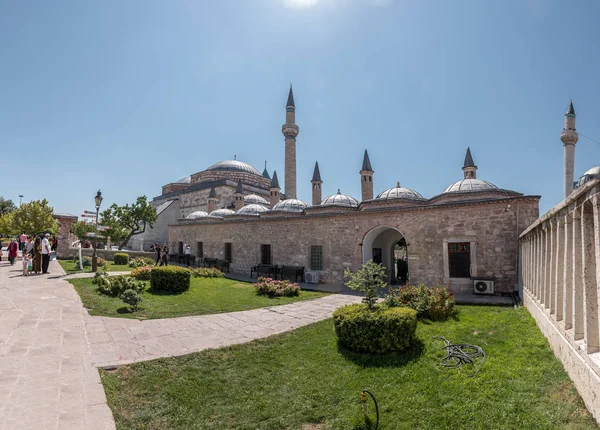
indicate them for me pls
(567, 275)
(577, 277)
(547, 253)
(552, 269)
(559, 258)
(590, 289)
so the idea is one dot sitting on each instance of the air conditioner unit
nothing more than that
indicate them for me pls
(311, 277)
(483, 286)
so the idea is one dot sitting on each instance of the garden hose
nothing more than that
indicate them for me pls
(461, 354)
(363, 400)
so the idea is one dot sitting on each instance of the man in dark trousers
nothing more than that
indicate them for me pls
(46, 251)
(157, 250)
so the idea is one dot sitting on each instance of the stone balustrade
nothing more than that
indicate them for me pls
(560, 260)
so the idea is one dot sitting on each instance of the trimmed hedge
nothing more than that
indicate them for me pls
(380, 331)
(121, 259)
(170, 278)
(142, 273)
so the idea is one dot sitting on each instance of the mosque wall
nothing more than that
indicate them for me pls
(491, 226)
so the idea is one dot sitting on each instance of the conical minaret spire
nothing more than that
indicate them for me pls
(275, 196)
(316, 186)
(569, 138)
(290, 130)
(366, 178)
(469, 168)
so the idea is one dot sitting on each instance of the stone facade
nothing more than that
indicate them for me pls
(64, 236)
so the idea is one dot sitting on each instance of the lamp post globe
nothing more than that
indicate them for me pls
(98, 201)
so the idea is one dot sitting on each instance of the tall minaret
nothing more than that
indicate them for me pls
(275, 196)
(316, 186)
(290, 130)
(469, 168)
(366, 178)
(569, 138)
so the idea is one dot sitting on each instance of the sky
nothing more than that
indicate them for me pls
(126, 96)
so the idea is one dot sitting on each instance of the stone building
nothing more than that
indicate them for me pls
(232, 211)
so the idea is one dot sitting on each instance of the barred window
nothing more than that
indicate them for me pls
(200, 249)
(180, 248)
(265, 254)
(459, 259)
(228, 251)
(316, 257)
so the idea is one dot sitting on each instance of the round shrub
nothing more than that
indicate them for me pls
(436, 303)
(115, 285)
(142, 273)
(132, 298)
(121, 259)
(140, 262)
(171, 279)
(378, 331)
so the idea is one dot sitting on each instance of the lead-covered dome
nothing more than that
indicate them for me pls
(291, 205)
(469, 185)
(340, 199)
(234, 166)
(220, 213)
(593, 173)
(185, 180)
(197, 214)
(252, 199)
(253, 209)
(399, 192)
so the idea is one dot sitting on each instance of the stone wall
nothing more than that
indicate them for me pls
(64, 236)
(491, 225)
(104, 253)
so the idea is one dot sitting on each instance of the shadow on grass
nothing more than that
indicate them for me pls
(155, 292)
(397, 359)
(124, 310)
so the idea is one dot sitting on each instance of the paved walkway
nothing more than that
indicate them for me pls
(50, 347)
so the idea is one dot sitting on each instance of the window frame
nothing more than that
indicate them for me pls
(228, 250)
(316, 257)
(264, 247)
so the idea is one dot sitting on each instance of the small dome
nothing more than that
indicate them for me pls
(469, 185)
(253, 209)
(399, 193)
(234, 166)
(185, 180)
(593, 173)
(255, 199)
(220, 213)
(291, 205)
(197, 214)
(340, 199)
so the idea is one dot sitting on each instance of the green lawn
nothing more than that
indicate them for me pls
(205, 296)
(300, 380)
(70, 267)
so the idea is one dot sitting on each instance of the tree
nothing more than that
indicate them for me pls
(30, 218)
(6, 206)
(369, 279)
(128, 220)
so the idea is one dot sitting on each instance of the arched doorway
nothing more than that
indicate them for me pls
(387, 246)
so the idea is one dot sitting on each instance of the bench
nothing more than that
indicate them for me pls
(270, 270)
(292, 271)
(222, 265)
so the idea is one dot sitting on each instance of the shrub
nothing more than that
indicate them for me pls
(115, 285)
(170, 278)
(272, 288)
(121, 258)
(141, 273)
(210, 272)
(378, 331)
(369, 279)
(141, 261)
(434, 303)
(102, 262)
(85, 261)
(132, 298)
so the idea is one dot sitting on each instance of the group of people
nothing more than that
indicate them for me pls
(35, 252)
(162, 254)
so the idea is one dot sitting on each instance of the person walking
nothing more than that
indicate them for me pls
(46, 253)
(165, 256)
(0, 250)
(22, 240)
(37, 255)
(187, 249)
(158, 252)
(13, 251)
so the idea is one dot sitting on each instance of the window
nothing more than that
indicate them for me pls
(316, 257)
(200, 249)
(459, 259)
(265, 254)
(228, 251)
(180, 251)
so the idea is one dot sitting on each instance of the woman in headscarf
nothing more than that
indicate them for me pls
(13, 250)
(37, 255)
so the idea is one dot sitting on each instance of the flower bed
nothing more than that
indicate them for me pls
(273, 288)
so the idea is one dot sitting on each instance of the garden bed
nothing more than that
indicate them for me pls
(70, 267)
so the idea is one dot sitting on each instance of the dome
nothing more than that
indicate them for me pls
(220, 213)
(251, 199)
(291, 205)
(593, 173)
(253, 209)
(185, 180)
(234, 166)
(197, 214)
(468, 185)
(340, 199)
(399, 193)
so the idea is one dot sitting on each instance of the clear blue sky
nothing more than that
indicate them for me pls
(125, 96)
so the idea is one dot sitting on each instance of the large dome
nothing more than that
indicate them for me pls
(399, 193)
(220, 213)
(340, 199)
(197, 214)
(291, 205)
(253, 209)
(251, 199)
(234, 166)
(469, 185)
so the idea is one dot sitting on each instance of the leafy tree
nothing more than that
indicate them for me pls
(368, 280)
(128, 220)
(6, 206)
(81, 229)
(30, 218)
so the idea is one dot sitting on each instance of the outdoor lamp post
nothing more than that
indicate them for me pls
(98, 200)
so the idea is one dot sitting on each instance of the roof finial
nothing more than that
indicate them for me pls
(235, 156)
(265, 164)
(339, 192)
(398, 184)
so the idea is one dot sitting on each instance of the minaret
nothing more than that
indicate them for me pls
(366, 178)
(316, 186)
(569, 138)
(469, 168)
(239, 196)
(290, 130)
(275, 188)
(212, 199)
(266, 172)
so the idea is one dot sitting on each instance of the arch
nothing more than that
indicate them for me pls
(380, 242)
